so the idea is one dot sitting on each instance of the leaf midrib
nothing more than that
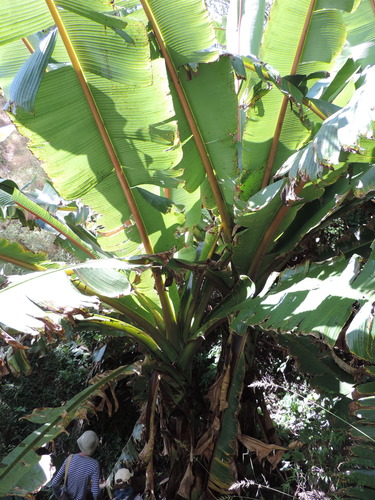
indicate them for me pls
(284, 105)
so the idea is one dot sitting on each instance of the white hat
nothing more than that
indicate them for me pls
(123, 476)
(88, 442)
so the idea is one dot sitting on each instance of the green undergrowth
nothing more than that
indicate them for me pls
(58, 373)
(56, 376)
(312, 426)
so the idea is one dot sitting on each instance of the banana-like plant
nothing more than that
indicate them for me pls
(211, 160)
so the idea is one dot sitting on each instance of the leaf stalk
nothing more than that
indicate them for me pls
(101, 127)
(284, 105)
(225, 219)
(166, 306)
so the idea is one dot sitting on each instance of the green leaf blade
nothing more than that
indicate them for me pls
(185, 46)
(22, 18)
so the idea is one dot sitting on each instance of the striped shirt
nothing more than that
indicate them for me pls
(83, 471)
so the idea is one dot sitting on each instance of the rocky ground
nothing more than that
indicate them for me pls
(20, 165)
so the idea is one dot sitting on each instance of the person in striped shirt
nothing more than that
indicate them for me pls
(83, 471)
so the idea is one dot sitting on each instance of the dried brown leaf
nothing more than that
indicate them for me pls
(187, 482)
(205, 444)
(3, 368)
(11, 340)
(262, 450)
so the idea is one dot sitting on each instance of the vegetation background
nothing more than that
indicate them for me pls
(289, 394)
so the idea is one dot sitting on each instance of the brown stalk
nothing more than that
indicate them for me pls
(28, 45)
(192, 123)
(20, 263)
(268, 235)
(305, 101)
(81, 247)
(284, 105)
(101, 127)
(84, 249)
(167, 309)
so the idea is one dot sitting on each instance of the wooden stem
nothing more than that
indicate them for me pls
(269, 234)
(165, 303)
(225, 219)
(101, 127)
(284, 105)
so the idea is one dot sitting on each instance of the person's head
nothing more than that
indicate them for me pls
(122, 478)
(88, 442)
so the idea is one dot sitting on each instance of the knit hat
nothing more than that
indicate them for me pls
(122, 476)
(88, 442)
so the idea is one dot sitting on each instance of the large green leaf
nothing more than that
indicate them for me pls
(91, 176)
(345, 5)
(152, 342)
(334, 198)
(360, 333)
(280, 48)
(211, 96)
(169, 112)
(341, 131)
(185, 46)
(11, 196)
(319, 299)
(265, 213)
(101, 50)
(23, 18)
(44, 298)
(318, 364)
(92, 10)
(358, 481)
(13, 55)
(21, 94)
(143, 142)
(360, 33)
(16, 254)
(203, 130)
(245, 26)
(39, 298)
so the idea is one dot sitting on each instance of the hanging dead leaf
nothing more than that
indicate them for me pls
(115, 400)
(168, 445)
(11, 340)
(275, 457)
(104, 402)
(3, 369)
(101, 392)
(187, 482)
(83, 411)
(205, 443)
(263, 450)
(214, 393)
(217, 394)
(295, 445)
